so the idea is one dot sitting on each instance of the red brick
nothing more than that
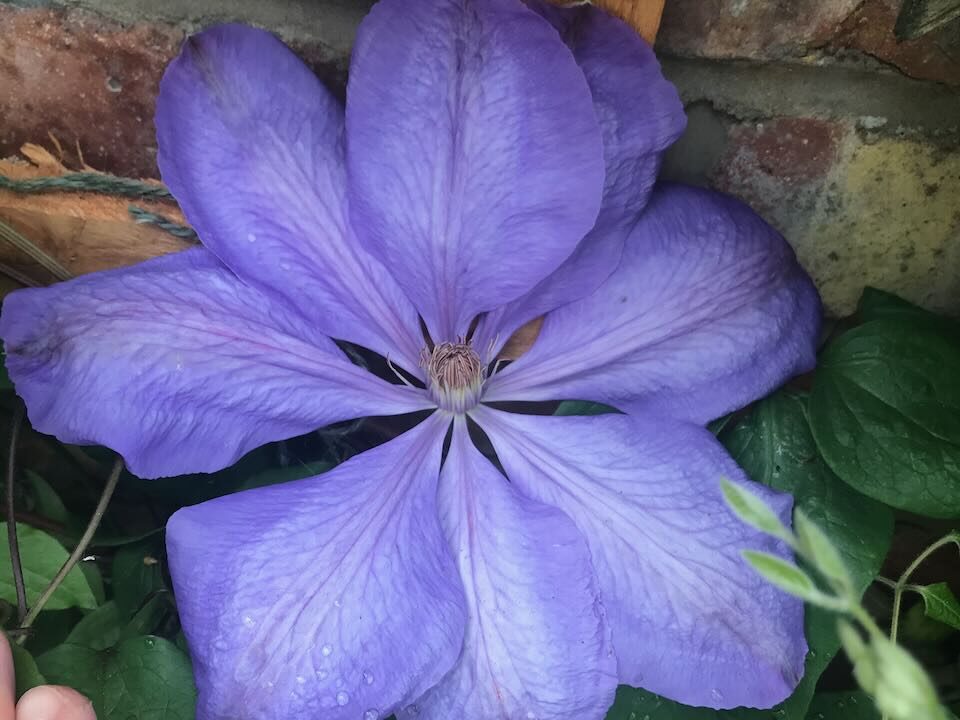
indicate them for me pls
(85, 81)
(764, 30)
(869, 29)
(771, 164)
(93, 82)
(749, 28)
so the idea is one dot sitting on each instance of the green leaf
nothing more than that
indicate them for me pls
(147, 618)
(46, 501)
(817, 548)
(786, 576)
(92, 574)
(904, 691)
(855, 705)
(717, 426)
(877, 304)
(51, 629)
(41, 557)
(147, 678)
(941, 604)
(774, 446)
(754, 511)
(137, 574)
(885, 412)
(25, 670)
(99, 629)
(583, 407)
(860, 654)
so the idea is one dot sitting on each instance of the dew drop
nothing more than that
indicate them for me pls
(368, 677)
(301, 679)
(531, 715)
(371, 714)
(149, 642)
(342, 698)
(285, 266)
(248, 621)
(326, 650)
(322, 674)
(338, 603)
(716, 694)
(251, 237)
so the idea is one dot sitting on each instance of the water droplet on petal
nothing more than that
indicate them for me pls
(531, 715)
(322, 674)
(338, 603)
(371, 715)
(301, 679)
(342, 698)
(251, 237)
(716, 694)
(249, 621)
(368, 677)
(326, 650)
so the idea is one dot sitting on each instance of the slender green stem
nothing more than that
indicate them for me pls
(11, 514)
(892, 584)
(952, 537)
(903, 582)
(80, 549)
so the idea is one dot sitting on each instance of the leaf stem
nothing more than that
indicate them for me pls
(892, 584)
(80, 549)
(903, 583)
(11, 514)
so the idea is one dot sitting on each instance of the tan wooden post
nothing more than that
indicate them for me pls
(643, 15)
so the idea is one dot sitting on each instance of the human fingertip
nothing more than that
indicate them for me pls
(54, 702)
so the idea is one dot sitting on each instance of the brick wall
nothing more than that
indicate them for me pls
(844, 138)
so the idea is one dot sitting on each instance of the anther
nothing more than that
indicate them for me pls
(455, 375)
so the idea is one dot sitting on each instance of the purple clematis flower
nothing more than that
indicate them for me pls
(495, 162)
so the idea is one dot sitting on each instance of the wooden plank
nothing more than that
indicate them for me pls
(83, 232)
(643, 15)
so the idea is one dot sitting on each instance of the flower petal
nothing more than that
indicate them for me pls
(708, 310)
(179, 366)
(640, 116)
(474, 154)
(691, 620)
(537, 644)
(251, 145)
(327, 597)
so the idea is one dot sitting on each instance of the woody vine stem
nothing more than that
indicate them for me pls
(79, 550)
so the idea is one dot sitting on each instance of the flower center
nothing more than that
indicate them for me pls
(455, 375)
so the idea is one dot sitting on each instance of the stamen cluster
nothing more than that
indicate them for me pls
(455, 375)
